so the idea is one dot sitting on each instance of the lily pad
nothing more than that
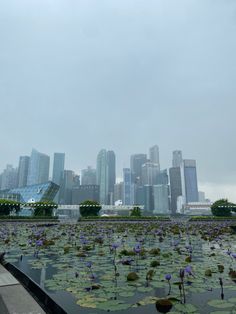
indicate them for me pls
(220, 304)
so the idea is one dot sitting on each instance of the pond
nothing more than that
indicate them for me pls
(145, 267)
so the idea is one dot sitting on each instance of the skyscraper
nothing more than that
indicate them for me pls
(177, 158)
(148, 197)
(23, 170)
(162, 177)
(58, 167)
(136, 162)
(154, 155)
(150, 173)
(111, 165)
(118, 192)
(175, 187)
(9, 178)
(161, 199)
(128, 187)
(67, 183)
(38, 168)
(88, 176)
(106, 175)
(189, 180)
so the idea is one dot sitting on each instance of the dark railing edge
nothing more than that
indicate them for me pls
(39, 294)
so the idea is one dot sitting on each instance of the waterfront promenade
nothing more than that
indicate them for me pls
(14, 298)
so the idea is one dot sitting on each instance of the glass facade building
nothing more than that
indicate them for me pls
(128, 190)
(35, 193)
(190, 180)
(58, 167)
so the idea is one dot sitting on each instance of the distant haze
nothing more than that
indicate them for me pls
(80, 75)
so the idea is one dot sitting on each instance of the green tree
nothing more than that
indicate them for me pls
(43, 208)
(136, 211)
(222, 208)
(7, 206)
(89, 208)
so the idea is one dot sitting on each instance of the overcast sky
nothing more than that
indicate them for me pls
(77, 76)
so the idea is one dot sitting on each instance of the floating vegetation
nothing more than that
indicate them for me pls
(164, 267)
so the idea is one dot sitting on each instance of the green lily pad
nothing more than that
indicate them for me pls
(220, 304)
(186, 308)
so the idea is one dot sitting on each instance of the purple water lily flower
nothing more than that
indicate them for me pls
(39, 242)
(137, 248)
(188, 270)
(168, 277)
(233, 255)
(89, 264)
(114, 246)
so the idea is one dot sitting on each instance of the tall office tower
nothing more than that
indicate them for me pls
(148, 198)
(154, 155)
(118, 192)
(136, 162)
(106, 175)
(67, 184)
(162, 177)
(175, 187)
(128, 187)
(58, 167)
(76, 180)
(38, 168)
(23, 170)
(161, 199)
(189, 180)
(111, 164)
(177, 158)
(150, 173)
(102, 176)
(9, 178)
(88, 176)
(139, 195)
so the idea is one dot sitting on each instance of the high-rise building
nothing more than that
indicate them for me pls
(161, 199)
(148, 198)
(154, 155)
(9, 178)
(128, 187)
(189, 180)
(106, 175)
(38, 168)
(177, 158)
(150, 173)
(162, 177)
(88, 176)
(175, 187)
(136, 162)
(85, 192)
(58, 167)
(67, 184)
(58, 170)
(76, 180)
(23, 170)
(118, 192)
(111, 165)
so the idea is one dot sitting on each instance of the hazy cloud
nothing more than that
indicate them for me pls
(77, 76)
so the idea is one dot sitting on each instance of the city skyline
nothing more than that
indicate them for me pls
(122, 75)
(211, 192)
